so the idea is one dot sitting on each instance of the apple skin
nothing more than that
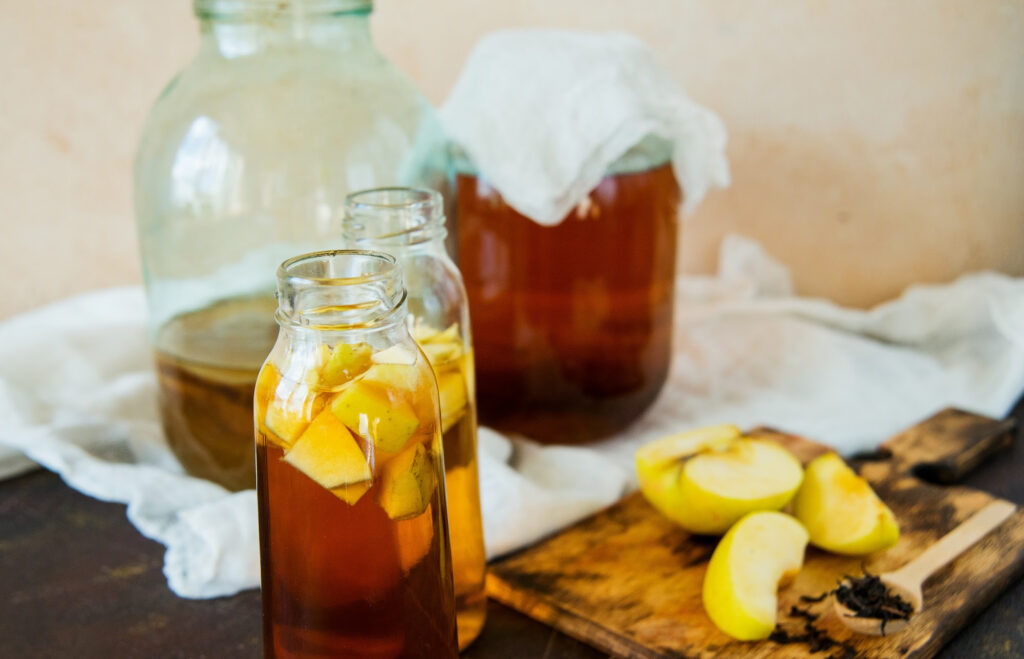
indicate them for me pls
(675, 488)
(760, 552)
(841, 512)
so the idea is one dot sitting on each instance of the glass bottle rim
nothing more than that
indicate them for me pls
(394, 216)
(340, 289)
(265, 8)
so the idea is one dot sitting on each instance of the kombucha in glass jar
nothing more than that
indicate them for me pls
(354, 546)
(572, 322)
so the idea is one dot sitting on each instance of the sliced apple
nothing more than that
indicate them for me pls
(303, 362)
(468, 369)
(414, 538)
(346, 361)
(396, 354)
(329, 454)
(368, 410)
(452, 391)
(351, 494)
(442, 355)
(424, 333)
(760, 552)
(266, 384)
(707, 479)
(841, 511)
(407, 483)
(670, 449)
(403, 377)
(290, 410)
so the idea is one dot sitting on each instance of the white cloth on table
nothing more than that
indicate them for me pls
(77, 395)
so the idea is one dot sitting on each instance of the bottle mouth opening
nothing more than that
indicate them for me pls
(277, 8)
(339, 290)
(394, 216)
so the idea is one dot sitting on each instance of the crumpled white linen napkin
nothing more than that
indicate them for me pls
(77, 392)
(543, 114)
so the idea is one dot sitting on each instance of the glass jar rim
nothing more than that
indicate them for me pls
(650, 152)
(394, 216)
(264, 8)
(358, 289)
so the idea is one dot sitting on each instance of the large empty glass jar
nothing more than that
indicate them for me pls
(245, 160)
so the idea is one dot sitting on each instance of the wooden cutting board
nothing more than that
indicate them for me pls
(628, 581)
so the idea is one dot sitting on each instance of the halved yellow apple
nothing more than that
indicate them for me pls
(759, 553)
(329, 454)
(707, 479)
(841, 511)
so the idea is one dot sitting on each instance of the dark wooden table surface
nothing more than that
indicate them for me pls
(77, 580)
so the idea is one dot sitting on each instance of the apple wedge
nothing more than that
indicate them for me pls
(401, 377)
(407, 483)
(290, 409)
(762, 551)
(451, 389)
(841, 512)
(386, 420)
(347, 360)
(707, 479)
(329, 454)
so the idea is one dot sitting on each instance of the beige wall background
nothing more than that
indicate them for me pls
(872, 143)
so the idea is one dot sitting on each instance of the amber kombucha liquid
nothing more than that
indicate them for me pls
(453, 369)
(571, 323)
(207, 362)
(338, 580)
(468, 561)
(342, 578)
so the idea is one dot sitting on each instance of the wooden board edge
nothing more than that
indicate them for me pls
(567, 622)
(1012, 571)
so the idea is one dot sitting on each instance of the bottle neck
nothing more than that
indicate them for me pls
(340, 291)
(395, 220)
(239, 28)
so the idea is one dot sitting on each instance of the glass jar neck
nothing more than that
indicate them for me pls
(237, 28)
(395, 220)
(340, 290)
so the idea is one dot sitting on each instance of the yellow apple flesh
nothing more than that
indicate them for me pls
(841, 512)
(407, 483)
(761, 551)
(707, 479)
(329, 454)
(381, 416)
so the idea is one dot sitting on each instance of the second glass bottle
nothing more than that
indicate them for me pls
(409, 224)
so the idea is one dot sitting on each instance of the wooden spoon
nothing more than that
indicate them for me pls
(906, 581)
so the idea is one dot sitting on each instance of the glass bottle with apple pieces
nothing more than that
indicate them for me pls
(245, 160)
(410, 224)
(354, 546)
